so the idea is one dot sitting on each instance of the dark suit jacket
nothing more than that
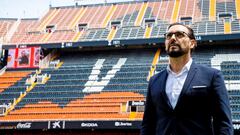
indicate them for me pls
(202, 108)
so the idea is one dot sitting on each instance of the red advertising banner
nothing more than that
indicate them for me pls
(24, 57)
(37, 56)
(11, 58)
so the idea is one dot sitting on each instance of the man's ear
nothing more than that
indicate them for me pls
(193, 43)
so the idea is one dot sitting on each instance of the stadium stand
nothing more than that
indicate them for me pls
(67, 95)
(107, 53)
(12, 86)
(212, 16)
(5, 27)
(21, 34)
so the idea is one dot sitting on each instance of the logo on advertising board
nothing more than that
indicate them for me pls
(89, 124)
(56, 124)
(136, 103)
(123, 124)
(24, 125)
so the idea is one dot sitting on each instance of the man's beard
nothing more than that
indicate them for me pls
(176, 53)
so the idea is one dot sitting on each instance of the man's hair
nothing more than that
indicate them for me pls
(191, 32)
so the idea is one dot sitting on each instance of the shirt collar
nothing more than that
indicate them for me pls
(185, 68)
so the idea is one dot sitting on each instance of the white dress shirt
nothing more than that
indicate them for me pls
(175, 83)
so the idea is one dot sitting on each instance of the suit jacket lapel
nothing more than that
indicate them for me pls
(163, 89)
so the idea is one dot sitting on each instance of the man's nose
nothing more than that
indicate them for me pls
(173, 36)
(172, 39)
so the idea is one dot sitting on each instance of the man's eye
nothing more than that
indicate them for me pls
(179, 34)
(169, 35)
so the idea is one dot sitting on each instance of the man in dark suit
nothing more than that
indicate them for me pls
(186, 98)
